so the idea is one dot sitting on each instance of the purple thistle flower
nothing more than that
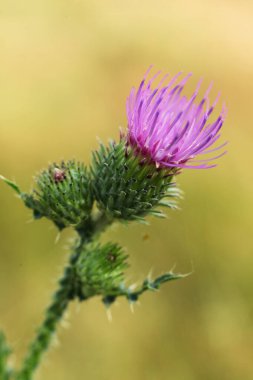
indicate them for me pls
(169, 129)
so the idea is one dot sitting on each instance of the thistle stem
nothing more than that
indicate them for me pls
(46, 331)
(67, 291)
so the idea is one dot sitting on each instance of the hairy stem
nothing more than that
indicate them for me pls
(67, 291)
(46, 331)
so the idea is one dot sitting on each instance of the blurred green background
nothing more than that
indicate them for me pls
(66, 68)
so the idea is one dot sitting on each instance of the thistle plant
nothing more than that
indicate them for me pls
(127, 180)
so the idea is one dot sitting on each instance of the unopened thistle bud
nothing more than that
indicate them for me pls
(127, 188)
(62, 194)
(100, 269)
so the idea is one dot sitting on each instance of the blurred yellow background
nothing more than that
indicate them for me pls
(66, 68)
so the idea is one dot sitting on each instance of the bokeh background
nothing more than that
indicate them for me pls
(66, 68)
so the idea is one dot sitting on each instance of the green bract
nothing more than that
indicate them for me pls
(62, 194)
(127, 189)
(100, 269)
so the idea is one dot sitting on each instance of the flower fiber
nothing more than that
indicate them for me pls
(170, 129)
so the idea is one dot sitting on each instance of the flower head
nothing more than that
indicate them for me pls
(170, 129)
(62, 194)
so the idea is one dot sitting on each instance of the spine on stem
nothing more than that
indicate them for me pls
(47, 330)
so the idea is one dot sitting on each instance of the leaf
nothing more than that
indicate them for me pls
(12, 184)
(147, 285)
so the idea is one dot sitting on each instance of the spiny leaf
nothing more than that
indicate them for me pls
(12, 184)
(147, 285)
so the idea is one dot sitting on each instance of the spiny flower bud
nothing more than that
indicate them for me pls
(125, 187)
(63, 194)
(100, 269)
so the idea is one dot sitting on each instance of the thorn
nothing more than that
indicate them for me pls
(78, 307)
(55, 341)
(122, 133)
(131, 304)
(99, 140)
(57, 238)
(172, 269)
(109, 314)
(149, 276)
(132, 287)
(65, 324)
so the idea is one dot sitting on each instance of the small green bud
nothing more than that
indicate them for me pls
(100, 269)
(128, 189)
(62, 194)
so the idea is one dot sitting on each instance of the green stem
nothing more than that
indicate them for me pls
(68, 290)
(94, 226)
(46, 331)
